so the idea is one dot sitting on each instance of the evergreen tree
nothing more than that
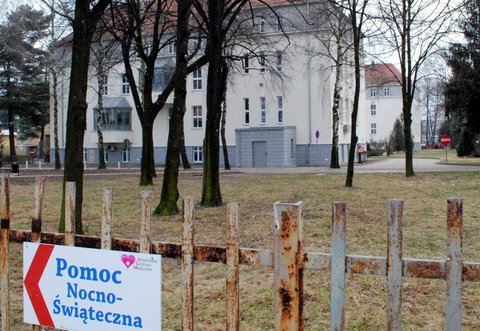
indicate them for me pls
(462, 93)
(23, 87)
(397, 140)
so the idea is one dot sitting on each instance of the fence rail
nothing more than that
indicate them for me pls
(288, 259)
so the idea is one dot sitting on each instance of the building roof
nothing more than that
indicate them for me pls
(379, 74)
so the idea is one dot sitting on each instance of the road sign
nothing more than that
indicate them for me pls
(445, 140)
(76, 288)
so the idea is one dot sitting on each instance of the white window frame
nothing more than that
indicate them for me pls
(262, 25)
(197, 80)
(105, 154)
(279, 109)
(246, 116)
(197, 154)
(85, 155)
(171, 48)
(373, 92)
(105, 85)
(373, 128)
(386, 91)
(373, 109)
(262, 60)
(246, 63)
(125, 85)
(197, 119)
(279, 60)
(263, 110)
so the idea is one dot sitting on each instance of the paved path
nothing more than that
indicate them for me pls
(372, 166)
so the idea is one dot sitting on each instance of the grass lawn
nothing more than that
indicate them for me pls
(450, 158)
(425, 198)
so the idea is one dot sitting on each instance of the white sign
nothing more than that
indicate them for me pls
(76, 288)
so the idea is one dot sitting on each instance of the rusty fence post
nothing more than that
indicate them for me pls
(188, 255)
(454, 265)
(70, 191)
(338, 267)
(37, 220)
(232, 269)
(107, 218)
(4, 251)
(288, 266)
(394, 265)
(145, 229)
(37, 211)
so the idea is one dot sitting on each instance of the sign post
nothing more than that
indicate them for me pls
(445, 140)
(76, 288)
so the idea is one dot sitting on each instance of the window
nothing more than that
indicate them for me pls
(125, 85)
(386, 91)
(261, 25)
(85, 155)
(245, 63)
(118, 119)
(373, 92)
(246, 103)
(263, 111)
(373, 128)
(197, 79)
(105, 85)
(161, 76)
(279, 60)
(262, 61)
(279, 23)
(197, 154)
(373, 110)
(280, 109)
(171, 49)
(197, 117)
(105, 154)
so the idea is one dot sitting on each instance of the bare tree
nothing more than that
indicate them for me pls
(356, 12)
(83, 19)
(145, 29)
(337, 42)
(413, 30)
(434, 106)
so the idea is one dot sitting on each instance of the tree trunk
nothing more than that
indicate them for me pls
(169, 196)
(356, 98)
(211, 194)
(84, 26)
(11, 133)
(407, 131)
(334, 163)
(147, 163)
(183, 153)
(101, 148)
(224, 116)
(58, 164)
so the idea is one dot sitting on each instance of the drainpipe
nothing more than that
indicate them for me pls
(309, 104)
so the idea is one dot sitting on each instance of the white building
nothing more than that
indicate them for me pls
(383, 102)
(279, 99)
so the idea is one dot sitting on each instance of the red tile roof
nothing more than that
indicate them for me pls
(381, 74)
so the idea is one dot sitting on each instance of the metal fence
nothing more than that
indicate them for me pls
(288, 258)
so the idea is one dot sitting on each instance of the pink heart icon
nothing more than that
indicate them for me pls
(128, 260)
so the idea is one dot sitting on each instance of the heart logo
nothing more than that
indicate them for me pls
(128, 260)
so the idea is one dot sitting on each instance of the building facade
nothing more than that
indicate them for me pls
(383, 102)
(279, 98)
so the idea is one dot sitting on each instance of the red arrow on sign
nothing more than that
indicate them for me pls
(34, 274)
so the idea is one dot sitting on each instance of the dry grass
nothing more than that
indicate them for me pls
(424, 237)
